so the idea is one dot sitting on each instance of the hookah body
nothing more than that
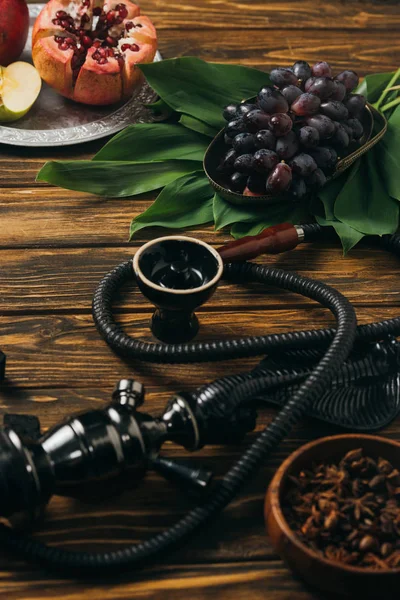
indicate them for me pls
(99, 445)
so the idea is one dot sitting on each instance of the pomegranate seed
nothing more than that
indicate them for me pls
(139, 25)
(61, 13)
(85, 18)
(111, 41)
(110, 52)
(96, 55)
(58, 39)
(63, 46)
(86, 41)
(86, 3)
(129, 26)
(123, 13)
(125, 47)
(96, 44)
(134, 48)
(70, 41)
(64, 23)
(118, 21)
(56, 22)
(103, 60)
(111, 17)
(97, 11)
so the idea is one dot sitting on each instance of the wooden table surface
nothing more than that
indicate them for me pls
(55, 245)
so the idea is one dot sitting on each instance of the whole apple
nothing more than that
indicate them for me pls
(14, 27)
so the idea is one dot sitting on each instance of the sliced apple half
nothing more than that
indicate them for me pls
(20, 85)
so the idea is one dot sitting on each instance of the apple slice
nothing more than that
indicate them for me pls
(20, 84)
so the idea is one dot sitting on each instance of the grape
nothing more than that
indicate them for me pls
(349, 79)
(255, 120)
(355, 104)
(244, 163)
(340, 138)
(256, 183)
(227, 161)
(317, 180)
(230, 112)
(244, 143)
(244, 108)
(228, 140)
(306, 105)
(272, 101)
(319, 86)
(280, 124)
(235, 127)
(322, 69)
(303, 164)
(309, 137)
(238, 182)
(356, 127)
(265, 160)
(325, 157)
(298, 189)
(265, 139)
(291, 92)
(287, 145)
(339, 91)
(348, 130)
(335, 110)
(323, 124)
(282, 77)
(280, 179)
(302, 70)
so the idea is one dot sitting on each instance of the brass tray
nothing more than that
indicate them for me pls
(375, 126)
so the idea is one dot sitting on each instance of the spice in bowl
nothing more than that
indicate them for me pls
(348, 512)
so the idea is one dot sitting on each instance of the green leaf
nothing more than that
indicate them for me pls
(183, 203)
(154, 142)
(373, 85)
(114, 179)
(389, 156)
(197, 125)
(349, 237)
(226, 213)
(160, 108)
(200, 89)
(278, 213)
(363, 203)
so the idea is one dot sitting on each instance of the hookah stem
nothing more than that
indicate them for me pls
(341, 341)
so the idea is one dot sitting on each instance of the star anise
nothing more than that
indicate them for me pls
(360, 506)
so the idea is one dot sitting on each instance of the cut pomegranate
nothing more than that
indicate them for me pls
(89, 60)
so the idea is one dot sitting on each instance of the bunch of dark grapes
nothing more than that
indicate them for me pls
(290, 139)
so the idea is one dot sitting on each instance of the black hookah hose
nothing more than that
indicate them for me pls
(341, 342)
(336, 343)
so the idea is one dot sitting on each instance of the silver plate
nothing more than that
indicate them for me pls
(56, 121)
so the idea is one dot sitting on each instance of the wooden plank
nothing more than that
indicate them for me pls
(65, 350)
(291, 14)
(240, 581)
(42, 280)
(363, 51)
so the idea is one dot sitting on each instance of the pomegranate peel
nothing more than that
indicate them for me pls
(88, 49)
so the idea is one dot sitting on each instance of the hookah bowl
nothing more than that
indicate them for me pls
(177, 274)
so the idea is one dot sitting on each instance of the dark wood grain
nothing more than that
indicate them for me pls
(38, 280)
(247, 14)
(55, 245)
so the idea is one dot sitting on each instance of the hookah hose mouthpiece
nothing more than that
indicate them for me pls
(119, 438)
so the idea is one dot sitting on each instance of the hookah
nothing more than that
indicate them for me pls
(347, 375)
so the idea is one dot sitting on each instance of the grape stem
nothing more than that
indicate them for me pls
(386, 91)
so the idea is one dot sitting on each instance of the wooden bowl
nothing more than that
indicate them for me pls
(328, 576)
(375, 126)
